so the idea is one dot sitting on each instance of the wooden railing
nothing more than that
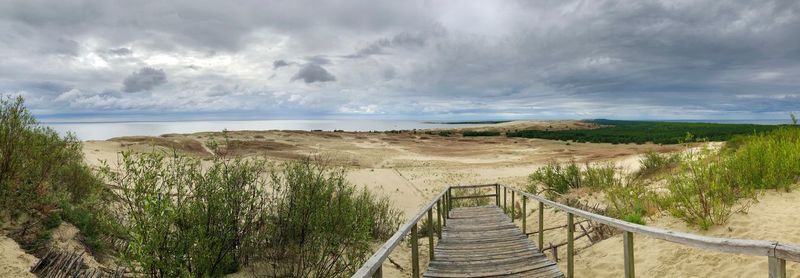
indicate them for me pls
(443, 202)
(776, 252)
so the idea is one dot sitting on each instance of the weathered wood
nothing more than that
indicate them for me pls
(777, 268)
(474, 186)
(414, 252)
(439, 218)
(497, 193)
(376, 260)
(541, 226)
(505, 198)
(473, 196)
(483, 242)
(513, 216)
(728, 245)
(524, 215)
(627, 242)
(430, 234)
(570, 246)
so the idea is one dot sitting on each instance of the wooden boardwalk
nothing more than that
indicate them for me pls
(483, 242)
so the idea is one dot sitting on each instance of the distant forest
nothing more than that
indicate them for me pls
(640, 132)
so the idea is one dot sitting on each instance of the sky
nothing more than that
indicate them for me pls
(369, 59)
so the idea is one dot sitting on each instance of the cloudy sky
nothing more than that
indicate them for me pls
(677, 59)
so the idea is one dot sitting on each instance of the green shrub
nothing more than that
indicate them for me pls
(628, 199)
(702, 192)
(556, 179)
(766, 161)
(41, 172)
(600, 175)
(480, 133)
(653, 163)
(445, 133)
(183, 219)
(321, 225)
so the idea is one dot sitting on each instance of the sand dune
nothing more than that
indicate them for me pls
(412, 168)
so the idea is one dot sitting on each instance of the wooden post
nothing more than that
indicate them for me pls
(439, 218)
(627, 243)
(505, 199)
(414, 252)
(378, 273)
(541, 226)
(430, 234)
(449, 202)
(524, 215)
(497, 194)
(570, 246)
(777, 267)
(512, 206)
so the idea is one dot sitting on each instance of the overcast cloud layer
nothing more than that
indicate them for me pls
(404, 59)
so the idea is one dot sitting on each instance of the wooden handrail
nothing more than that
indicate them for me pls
(777, 252)
(374, 263)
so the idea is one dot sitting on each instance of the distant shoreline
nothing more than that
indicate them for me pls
(469, 122)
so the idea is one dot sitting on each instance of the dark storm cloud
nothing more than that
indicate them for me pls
(144, 80)
(312, 72)
(279, 63)
(573, 58)
(122, 51)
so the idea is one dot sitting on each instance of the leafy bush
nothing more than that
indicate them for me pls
(41, 172)
(628, 199)
(559, 178)
(709, 185)
(322, 225)
(183, 220)
(555, 179)
(599, 176)
(766, 161)
(653, 163)
(702, 192)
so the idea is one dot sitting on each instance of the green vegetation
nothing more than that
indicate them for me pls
(653, 163)
(184, 219)
(625, 194)
(555, 179)
(185, 216)
(704, 186)
(323, 226)
(480, 133)
(443, 133)
(640, 132)
(711, 184)
(43, 180)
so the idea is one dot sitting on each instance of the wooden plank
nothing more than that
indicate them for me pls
(473, 186)
(483, 242)
(473, 196)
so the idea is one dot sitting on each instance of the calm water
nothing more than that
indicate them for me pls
(106, 130)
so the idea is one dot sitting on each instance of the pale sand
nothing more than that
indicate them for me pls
(412, 168)
(14, 262)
